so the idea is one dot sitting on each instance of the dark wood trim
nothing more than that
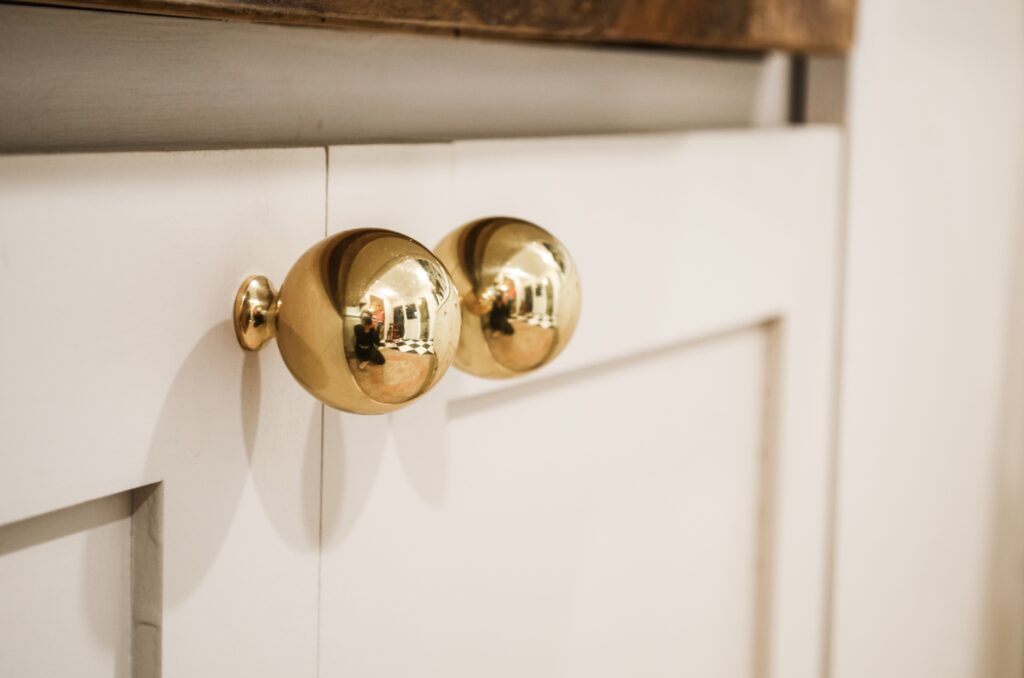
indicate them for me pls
(823, 26)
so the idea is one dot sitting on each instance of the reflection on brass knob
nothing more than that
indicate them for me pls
(520, 295)
(367, 320)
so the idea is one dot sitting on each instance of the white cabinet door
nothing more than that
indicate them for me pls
(655, 502)
(159, 490)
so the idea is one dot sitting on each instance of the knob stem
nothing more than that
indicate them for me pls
(255, 312)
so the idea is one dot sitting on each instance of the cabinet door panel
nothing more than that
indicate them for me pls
(652, 502)
(121, 370)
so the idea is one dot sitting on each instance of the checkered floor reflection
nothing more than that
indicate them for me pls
(420, 346)
(537, 320)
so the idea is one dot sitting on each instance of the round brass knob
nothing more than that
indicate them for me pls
(520, 295)
(366, 320)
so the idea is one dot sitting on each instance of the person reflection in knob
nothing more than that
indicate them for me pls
(501, 310)
(367, 341)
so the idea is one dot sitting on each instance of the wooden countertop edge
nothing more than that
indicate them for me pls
(813, 26)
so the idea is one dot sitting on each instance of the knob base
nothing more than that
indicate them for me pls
(255, 313)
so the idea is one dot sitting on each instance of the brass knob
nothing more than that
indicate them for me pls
(366, 320)
(520, 295)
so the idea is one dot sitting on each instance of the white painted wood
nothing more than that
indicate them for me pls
(120, 368)
(928, 580)
(501, 557)
(567, 530)
(77, 80)
(65, 587)
(675, 527)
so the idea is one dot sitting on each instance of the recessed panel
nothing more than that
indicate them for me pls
(65, 583)
(600, 523)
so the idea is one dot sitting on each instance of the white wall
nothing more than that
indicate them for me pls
(924, 587)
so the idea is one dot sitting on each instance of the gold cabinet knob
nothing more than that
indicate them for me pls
(520, 295)
(366, 320)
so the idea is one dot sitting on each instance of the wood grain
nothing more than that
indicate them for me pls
(804, 25)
